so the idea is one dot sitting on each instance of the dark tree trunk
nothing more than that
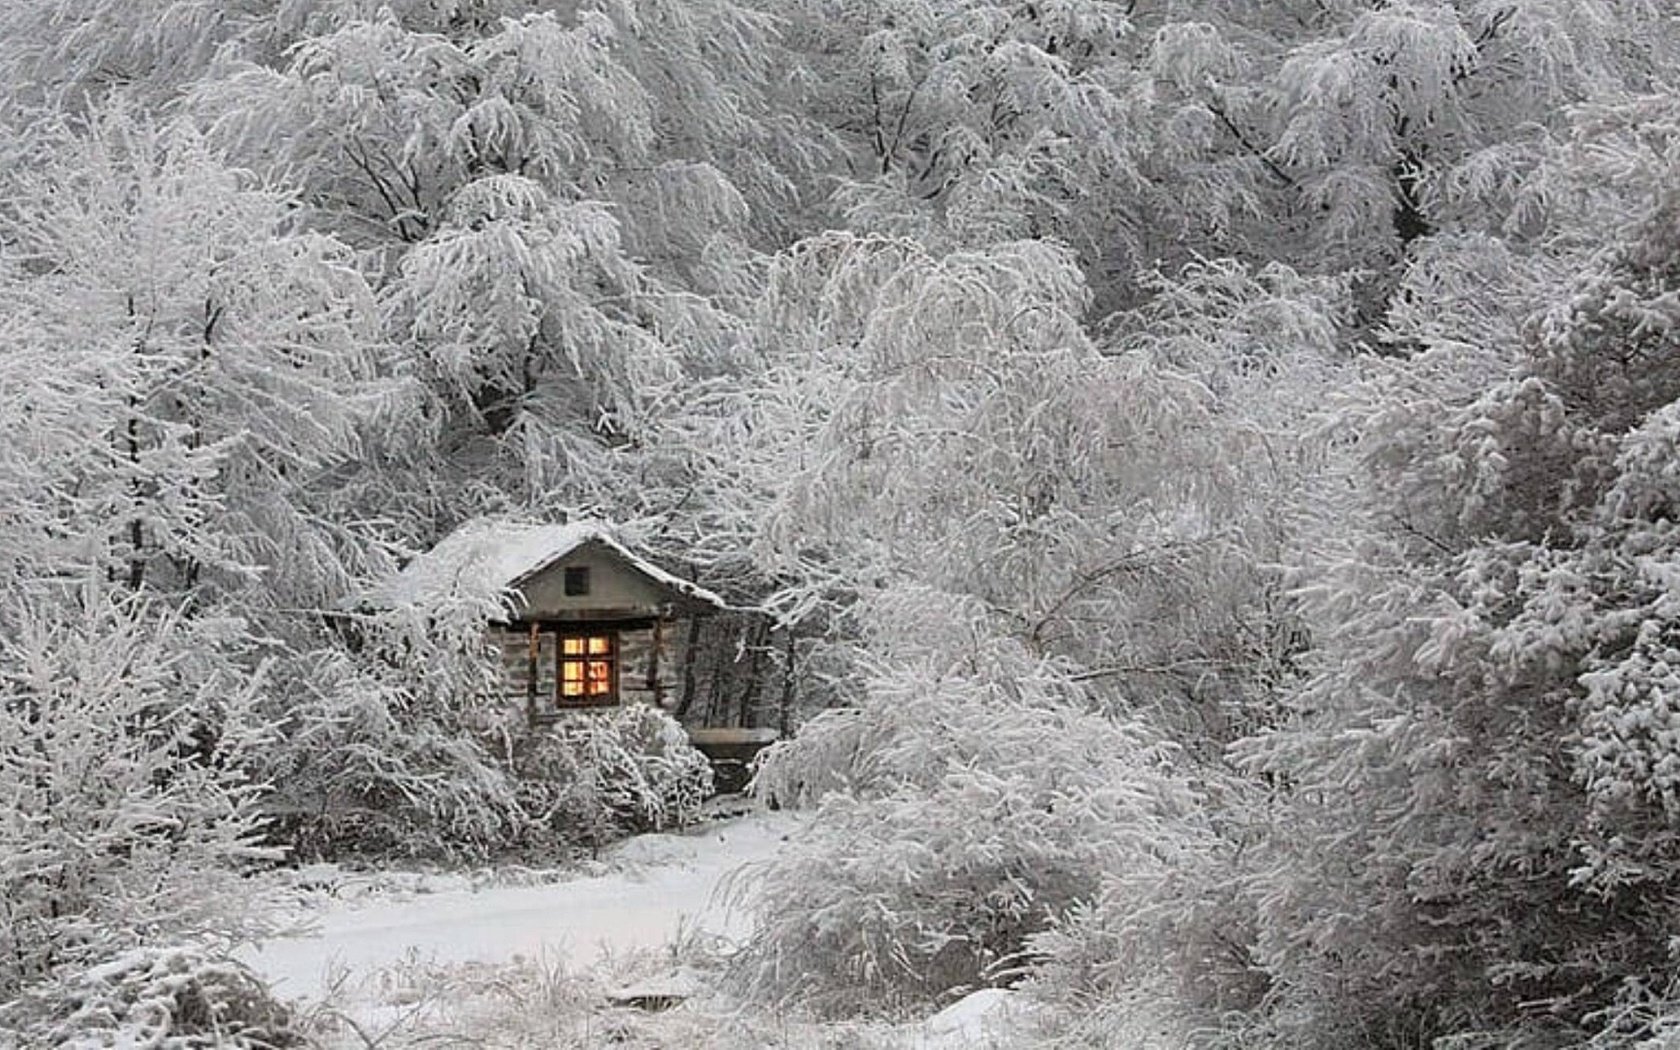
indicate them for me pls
(136, 530)
(756, 646)
(688, 658)
(784, 709)
(1410, 223)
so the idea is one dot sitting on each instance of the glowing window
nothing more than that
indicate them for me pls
(588, 669)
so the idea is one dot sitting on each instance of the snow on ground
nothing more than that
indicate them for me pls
(405, 959)
(659, 888)
(984, 1018)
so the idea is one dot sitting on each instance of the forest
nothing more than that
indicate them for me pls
(1210, 472)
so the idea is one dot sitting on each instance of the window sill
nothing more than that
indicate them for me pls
(553, 712)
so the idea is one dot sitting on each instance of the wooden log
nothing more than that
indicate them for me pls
(531, 672)
(653, 683)
(656, 993)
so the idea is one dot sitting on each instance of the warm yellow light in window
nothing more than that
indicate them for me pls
(586, 666)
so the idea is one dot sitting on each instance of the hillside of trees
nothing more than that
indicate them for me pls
(1212, 470)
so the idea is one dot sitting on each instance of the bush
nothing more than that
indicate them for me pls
(1171, 954)
(127, 816)
(1475, 840)
(595, 776)
(396, 743)
(161, 998)
(959, 812)
(369, 766)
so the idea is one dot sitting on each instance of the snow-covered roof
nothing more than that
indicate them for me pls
(486, 557)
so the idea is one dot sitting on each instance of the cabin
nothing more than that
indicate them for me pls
(585, 622)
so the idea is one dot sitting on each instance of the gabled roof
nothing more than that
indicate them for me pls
(485, 557)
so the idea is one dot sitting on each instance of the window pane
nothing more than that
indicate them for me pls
(587, 667)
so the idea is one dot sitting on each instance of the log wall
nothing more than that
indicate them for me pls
(636, 664)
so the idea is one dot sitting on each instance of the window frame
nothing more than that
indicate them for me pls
(574, 581)
(611, 658)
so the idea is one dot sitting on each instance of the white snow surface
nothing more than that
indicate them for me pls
(486, 556)
(988, 1017)
(658, 888)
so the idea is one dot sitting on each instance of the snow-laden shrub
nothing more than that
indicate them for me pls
(176, 998)
(397, 740)
(1173, 952)
(125, 814)
(370, 765)
(969, 800)
(1476, 839)
(594, 776)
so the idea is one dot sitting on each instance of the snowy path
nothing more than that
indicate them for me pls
(667, 888)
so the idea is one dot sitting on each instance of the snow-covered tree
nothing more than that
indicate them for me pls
(944, 421)
(212, 362)
(1478, 829)
(124, 744)
(65, 55)
(565, 202)
(1021, 460)
(1147, 134)
(972, 795)
(1018, 541)
(969, 122)
(191, 373)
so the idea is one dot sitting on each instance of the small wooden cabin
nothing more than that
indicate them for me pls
(586, 622)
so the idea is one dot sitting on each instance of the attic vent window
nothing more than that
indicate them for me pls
(577, 580)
